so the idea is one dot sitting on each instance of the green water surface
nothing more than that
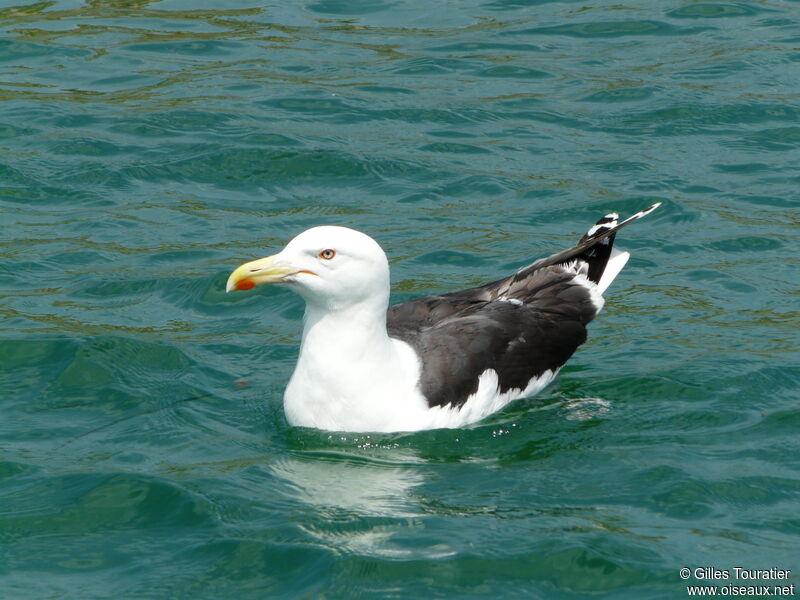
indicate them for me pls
(147, 148)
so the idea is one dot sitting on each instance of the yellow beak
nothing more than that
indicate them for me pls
(263, 270)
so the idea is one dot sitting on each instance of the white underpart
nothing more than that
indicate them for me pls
(616, 262)
(487, 400)
(347, 379)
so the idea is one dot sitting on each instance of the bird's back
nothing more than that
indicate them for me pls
(521, 328)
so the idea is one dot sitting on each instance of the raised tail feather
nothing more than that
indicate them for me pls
(597, 255)
(595, 248)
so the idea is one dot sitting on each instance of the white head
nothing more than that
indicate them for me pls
(331, 267)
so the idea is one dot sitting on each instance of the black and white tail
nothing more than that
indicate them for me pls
(596, 248)
(597, 256)
(605, 262)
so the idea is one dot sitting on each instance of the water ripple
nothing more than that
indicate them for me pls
(150, 147)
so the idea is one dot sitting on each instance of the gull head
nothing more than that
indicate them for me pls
(330, 267)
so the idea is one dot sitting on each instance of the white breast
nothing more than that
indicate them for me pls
(372, 391)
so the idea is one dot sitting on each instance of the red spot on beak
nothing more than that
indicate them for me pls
(245, 284)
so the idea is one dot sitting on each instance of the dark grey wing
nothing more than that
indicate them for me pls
(520, 341)
(521, 326)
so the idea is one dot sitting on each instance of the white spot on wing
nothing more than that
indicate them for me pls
(609, 225)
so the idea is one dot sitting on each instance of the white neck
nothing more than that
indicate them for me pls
(352, 332)
(349, 369)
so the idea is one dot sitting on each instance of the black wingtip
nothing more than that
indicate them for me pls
(596, 234)
(602, 234)
(603, 225)
(596, 255)
(593, 240)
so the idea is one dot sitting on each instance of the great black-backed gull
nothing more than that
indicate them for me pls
(439, 361)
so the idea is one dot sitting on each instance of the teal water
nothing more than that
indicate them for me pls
(148, 148)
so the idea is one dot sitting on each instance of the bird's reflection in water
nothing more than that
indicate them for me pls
(360, 505)
(337, 485)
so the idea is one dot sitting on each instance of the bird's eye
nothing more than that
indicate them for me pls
(327, 254)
